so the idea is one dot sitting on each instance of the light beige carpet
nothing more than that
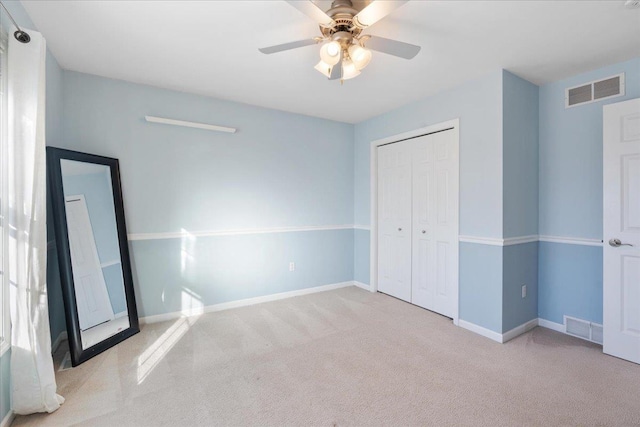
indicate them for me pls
(344, 357)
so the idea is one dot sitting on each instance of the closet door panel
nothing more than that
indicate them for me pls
(446, 230)
(423, 217)
(394, 220)
(434, 254)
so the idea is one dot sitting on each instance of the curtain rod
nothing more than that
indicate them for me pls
(20, 35)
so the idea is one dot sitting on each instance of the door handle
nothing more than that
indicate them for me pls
(616, 243)
(424, 231)
(399, 228)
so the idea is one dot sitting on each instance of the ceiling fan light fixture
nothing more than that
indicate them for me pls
(360, 56)
(344, 50)
(330, 52)
(324, 68)
(349, 70)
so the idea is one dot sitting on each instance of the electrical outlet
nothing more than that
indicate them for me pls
(292, 266)
(524, 291)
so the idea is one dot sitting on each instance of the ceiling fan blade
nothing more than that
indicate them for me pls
(287, 46)
(336, 70)
(314, 12)
(391, 47)
(375, 12)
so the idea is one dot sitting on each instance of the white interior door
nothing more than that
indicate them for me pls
(435, 222)
(621, 252)
(394, 220)
(92, 297)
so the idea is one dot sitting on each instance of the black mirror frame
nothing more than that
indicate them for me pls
(78, 354)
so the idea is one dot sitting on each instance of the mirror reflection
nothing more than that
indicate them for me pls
(95, 251)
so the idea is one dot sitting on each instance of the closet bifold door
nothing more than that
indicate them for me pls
(434, 218)
(394, 220)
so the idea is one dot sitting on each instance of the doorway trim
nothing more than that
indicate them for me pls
(453, 125)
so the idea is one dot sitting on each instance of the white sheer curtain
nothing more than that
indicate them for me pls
(33, 384)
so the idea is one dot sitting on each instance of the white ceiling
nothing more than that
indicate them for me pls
(211, 48)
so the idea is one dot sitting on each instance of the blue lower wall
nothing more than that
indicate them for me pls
(480, 288)
(175, 274)
(520, 267)
(362, 256)
(570, 282)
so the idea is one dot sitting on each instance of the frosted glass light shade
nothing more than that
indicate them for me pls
(360, 56)
(324, 68)
(330, 53)
(349, 70)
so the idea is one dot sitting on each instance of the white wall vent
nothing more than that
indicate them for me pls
(583, 329)
(595, 91)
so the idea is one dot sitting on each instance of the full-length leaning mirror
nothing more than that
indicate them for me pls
(91, 240)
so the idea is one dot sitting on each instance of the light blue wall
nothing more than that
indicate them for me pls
(571, 195)
(214, 270)
(53, 135)
(520, 200)
(520, 156)
(570, 282)
(278, 170)
(480, 289)
(478, 105)
(571, 155)
(362, 258)
(520, 267)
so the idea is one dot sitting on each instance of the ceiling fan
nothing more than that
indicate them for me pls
(345, 50)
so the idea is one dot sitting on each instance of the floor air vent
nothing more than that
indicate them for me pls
(583, 329)
(595, 91)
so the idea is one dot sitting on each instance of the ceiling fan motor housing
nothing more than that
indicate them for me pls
(344, 30)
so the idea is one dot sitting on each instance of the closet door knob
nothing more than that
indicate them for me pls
(424, 231)
(399, 228)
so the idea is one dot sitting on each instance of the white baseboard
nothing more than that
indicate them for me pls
(8, 419)
(121, 314)
(496, 336)
(61, 337)
(551, 325)
(362, 285)
(492, 335)
(242, 303)
(519, 330)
